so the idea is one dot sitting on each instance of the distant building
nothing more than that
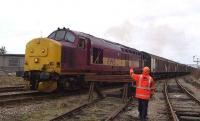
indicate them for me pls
(11, 62)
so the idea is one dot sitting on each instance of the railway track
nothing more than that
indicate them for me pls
(21, 97)
(28, 95)
(182, 104)
(115, 114)
(194, 83)
(100, 109)
(16, 97)
(13, 88)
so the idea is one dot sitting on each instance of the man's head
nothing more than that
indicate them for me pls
(146, 70)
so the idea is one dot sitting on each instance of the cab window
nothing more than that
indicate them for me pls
(69, 37)
(81, 43)
(52, 36)
(60, 35)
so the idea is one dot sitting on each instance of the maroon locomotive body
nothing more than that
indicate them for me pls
(89, 54)
(65, 57)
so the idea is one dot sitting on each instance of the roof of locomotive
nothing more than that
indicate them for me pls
(99, 42)
(103, 42)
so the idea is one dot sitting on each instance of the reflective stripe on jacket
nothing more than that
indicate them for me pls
(144, 86)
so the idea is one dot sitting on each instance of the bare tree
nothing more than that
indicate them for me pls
(3, 50)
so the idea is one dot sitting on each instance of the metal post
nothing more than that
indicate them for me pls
(91, 90)
(197, 61)
(125, 92)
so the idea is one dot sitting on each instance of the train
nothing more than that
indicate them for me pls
(61, 60)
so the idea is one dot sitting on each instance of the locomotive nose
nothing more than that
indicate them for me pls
(42, 63)
(43, 54)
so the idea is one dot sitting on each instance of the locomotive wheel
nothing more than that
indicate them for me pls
(69, 84)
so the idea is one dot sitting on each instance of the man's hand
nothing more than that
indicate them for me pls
(131, 70)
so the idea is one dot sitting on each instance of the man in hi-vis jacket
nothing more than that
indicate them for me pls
(144, 90)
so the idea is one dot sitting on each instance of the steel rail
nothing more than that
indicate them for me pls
(116, 113)
(12, 88)
(19, 100)
(175, 118)
(75, 110)
(19, 97)
(185, 90)
(33, 96)
(14, 94)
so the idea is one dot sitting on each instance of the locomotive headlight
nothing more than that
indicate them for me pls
(36, 60)
(43, 50)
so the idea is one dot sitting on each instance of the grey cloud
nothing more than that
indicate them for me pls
(123, 32)
(161, 40)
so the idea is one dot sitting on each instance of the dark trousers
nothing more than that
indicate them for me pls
(143, 108)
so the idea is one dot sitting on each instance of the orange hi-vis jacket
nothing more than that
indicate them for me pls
(144, 86)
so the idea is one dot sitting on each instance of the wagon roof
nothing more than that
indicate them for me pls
(161, 58)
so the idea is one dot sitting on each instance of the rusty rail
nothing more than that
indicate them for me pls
(19, 100)
(34, 95)
(14, 94)
(75, 110)
(17, 97)
(185, 90)
(12, 88)
(116, 113)
(175, 118)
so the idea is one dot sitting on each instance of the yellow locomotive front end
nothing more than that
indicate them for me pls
(42, 64)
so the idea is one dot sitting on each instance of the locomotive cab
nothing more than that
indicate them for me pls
(75, 49)
(75, 57)
(48, 59)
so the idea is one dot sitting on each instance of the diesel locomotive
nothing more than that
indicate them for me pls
(64, 58)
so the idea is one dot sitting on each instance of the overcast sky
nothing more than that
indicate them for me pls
(168, 28)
